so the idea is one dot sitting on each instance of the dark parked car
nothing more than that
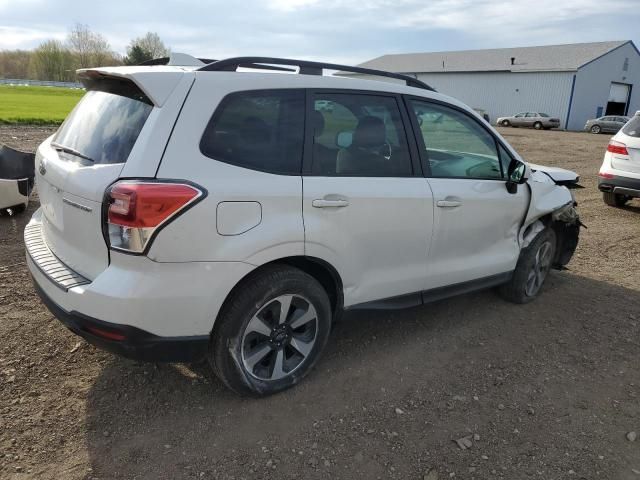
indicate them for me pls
(607, 124)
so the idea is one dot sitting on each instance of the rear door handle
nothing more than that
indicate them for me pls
(448, 203)
(322, 203)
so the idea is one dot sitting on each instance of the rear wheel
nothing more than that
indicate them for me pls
(532, 269)
(614, 199)
(537, 126)
(271, 332)
(506, 123)
(596, 129)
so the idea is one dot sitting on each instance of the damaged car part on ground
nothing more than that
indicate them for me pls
(16, 179)
(263, 214)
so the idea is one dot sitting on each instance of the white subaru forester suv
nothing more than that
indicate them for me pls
(219, 210)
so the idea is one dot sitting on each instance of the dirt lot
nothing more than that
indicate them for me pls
(549, 389)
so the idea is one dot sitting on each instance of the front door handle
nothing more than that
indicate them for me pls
(448, 203)
(322, 203)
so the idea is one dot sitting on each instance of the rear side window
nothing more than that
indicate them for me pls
(633, 127)
(359, 135)
(104, 126)
(261, 130)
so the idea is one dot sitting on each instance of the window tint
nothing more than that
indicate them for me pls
(104, 126)
(544, 115)
(456, 144)
(258, 130)
(359, 135)
(519, 115)
(632, 128)
(531, 115)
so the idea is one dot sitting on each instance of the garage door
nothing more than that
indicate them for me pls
(619, 93)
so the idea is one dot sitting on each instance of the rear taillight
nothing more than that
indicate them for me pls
(618, 148)
(138, 209)
(605, 175)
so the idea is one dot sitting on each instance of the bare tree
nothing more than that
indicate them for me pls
(145, 48)
(52, 61)
(15, 63)
(90, 49)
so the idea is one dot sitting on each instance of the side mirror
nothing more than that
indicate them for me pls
(344, 139)
(517, 174)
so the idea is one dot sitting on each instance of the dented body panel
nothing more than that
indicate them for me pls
(552, 205)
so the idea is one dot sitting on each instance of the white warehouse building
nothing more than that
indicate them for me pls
(573, 82)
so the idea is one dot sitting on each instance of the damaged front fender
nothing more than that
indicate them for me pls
(552, 205)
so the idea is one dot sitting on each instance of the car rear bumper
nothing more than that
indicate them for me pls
(136, 307)
(620, 185)
(130, 342)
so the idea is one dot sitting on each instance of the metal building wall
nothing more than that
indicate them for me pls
(593, 83)
(506, 93)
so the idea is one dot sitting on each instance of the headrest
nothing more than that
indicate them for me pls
(369, 133)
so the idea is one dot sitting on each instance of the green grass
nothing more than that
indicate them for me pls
(36, 105)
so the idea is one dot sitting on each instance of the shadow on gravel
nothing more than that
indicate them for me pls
(568, 354)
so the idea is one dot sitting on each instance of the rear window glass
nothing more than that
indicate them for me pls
(104, 126)
(261, 130)
(633, 127)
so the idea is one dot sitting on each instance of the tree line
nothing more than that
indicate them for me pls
(58, 60)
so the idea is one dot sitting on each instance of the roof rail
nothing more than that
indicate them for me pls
(306, 68)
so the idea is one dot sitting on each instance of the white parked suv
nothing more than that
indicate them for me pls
(619, 177)
(194, 211)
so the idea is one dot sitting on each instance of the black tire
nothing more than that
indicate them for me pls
(517, 290)
(234, 343)
(596, 129)
(614, 199)
(506, 123)
(537, 126)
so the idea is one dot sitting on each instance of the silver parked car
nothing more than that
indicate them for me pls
(535, 120)
(609, 123)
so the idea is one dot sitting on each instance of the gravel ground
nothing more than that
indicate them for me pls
(548, 390)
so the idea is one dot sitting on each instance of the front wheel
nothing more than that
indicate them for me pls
(537, 126)
(505, 123)
(614, 199)
(271, 331)
(596, 129)
(532, 269)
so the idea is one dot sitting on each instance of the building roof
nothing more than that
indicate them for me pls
(547, 58)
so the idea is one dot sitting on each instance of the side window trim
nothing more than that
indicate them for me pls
(219, 110)
(405, 118)
(422, 148)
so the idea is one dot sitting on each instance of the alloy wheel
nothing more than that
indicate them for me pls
(539, 270)
(279, 337)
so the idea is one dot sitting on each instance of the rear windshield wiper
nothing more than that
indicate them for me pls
(71, 151)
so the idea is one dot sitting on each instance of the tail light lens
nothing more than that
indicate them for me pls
(618, 148)
(137, 210)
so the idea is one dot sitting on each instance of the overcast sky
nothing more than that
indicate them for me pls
(349, 31)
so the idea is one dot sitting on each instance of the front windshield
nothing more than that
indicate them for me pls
(543, 114)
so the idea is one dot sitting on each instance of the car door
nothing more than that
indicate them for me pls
(619, 123)
(366, 206)
(530, 118)
(518, 120)
(476, 220)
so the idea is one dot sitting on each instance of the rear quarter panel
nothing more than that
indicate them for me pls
(195, 236)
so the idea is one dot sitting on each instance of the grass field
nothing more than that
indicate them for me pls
(36, 105)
